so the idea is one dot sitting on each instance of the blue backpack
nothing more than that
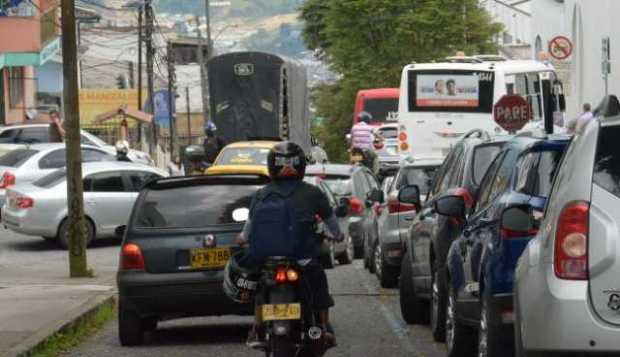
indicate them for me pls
(275, 231)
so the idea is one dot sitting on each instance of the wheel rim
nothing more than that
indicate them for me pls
(350, 248)
(378, 259)
(435, 304)
(483, 332)
(450, 322)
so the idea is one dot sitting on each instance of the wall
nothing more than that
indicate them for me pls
(17, 113)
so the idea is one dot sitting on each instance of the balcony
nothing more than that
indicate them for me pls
(28, 26)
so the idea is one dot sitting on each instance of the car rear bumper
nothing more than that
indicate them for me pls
(392, 253)
(177, 294)
(21, 222)
(356, 230)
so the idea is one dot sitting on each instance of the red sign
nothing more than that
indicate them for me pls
(512, 112)
(560, 48)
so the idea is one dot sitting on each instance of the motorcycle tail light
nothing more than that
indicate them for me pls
(571, 242)
(281, 275)
(131, 257)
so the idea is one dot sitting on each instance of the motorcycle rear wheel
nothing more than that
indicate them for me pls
(282, 346)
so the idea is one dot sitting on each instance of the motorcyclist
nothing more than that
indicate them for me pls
(122, 149)
(212, 143)
(362, 139)
(287, 165)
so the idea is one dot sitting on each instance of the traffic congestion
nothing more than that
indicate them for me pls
(464, 211)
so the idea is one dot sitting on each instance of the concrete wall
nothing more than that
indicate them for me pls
(516, 20)
(15, 114)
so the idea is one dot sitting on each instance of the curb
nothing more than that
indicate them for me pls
(74, 318)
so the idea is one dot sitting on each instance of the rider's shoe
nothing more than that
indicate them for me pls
(255, 339)
(329, 337)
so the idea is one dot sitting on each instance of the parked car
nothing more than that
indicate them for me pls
(244, 157)
(36, 161)
(343, 252)
(482, 260)
(395, 219)
(423, 266)
(567, 292)
(360, 188)
(110, 190)
(19, 136)
(180, 235)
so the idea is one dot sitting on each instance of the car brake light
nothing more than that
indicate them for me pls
(402, 136)
(8, 180)
(131, 257)
(355, 205)
(396, 207)
(24, 202)
(571, 242)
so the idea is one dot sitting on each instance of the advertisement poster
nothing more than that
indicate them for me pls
(445, 90)
(97, 101)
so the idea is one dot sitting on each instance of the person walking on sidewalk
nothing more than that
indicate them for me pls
(576, 125)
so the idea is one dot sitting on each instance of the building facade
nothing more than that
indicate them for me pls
(515, 16)
(29, 37)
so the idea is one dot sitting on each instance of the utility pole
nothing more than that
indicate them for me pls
(150, 53)
(140, 127)
(189, 117)
(78, 266)
(171, 98)
(203, 73)
(208, 16)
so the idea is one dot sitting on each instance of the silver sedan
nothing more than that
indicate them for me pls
(110, 189)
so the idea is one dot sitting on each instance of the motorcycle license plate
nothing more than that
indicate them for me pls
(281, 312)
(209, 258)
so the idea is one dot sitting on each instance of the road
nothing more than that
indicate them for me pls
(366, 319)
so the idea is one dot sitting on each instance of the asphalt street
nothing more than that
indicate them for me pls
(366, 319)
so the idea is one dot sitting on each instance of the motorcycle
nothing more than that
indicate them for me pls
(291, 328)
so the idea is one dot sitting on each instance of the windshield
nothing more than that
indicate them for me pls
(16, 158)
(193, 207)
(421, 176)
(52, 179)
(451, 91)
(379, 108)
(243, 156)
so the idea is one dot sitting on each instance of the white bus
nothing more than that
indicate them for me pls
(440, 102)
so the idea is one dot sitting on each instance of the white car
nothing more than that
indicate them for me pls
(110, 190)
(18, 136)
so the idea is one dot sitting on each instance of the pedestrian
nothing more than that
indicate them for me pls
(212, 144)
(56, 130)
(176, 168)
(575, 126)
(122, 149)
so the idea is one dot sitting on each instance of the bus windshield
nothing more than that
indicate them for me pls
(451, 91)
(380, 108)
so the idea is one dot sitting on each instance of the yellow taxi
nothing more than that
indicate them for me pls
(245, 157)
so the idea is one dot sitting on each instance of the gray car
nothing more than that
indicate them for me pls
(35, 161)
(567, 291)
(110, 189)
(395, 219)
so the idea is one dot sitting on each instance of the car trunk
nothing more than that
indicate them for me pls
(173, 251)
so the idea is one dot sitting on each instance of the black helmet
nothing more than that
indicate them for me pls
(364, 117)
(240, 283)
(286, 161)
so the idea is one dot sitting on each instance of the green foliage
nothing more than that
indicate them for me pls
(368, 42)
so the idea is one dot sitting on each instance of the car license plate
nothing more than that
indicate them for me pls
(281, 312)
(209, 257)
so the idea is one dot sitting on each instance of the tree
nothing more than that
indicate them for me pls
(368, 42)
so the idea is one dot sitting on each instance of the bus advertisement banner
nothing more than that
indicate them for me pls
(447, 90)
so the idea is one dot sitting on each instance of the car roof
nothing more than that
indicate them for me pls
(22, 125)
(204, 180)
(423, 163)
(53, 146)
(540, 140)
(332, 169)
(266, 144)
(102, 166)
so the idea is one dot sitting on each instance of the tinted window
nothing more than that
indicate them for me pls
(192, 207)
(421, 176)
(443, 176)
(8, 136)
(487, 184)
(483, 157)
(389, 133)
(138, 179)
(243, 156)
(536, 172)
(607, 165)
(54, 160)
(16, 158)
(104, 182)
(34, 135)
(52, 179)
(92, 155)
(380, 108)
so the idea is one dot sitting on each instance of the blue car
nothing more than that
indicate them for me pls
(481, 262)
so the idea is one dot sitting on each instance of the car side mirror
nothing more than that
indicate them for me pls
(409, 194)
(518, 220)
(451, 206)
(375, 195)
(342, 211)
(120, 231)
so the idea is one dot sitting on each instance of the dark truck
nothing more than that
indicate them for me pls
(259, 95)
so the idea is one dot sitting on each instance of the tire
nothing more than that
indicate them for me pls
(387, 275)
(327, 260)
(149, 324)
(130, 327)
(439, 304)
(50, 239)
(369, 254)
(518, 339)
(460, 338)
(281, 346)
(349, 252)
(63, 233)
(412, 308)
(359, 252)
(493, 341)
(365, 254)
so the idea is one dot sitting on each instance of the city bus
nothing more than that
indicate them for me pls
(379, 102)
(440, 102)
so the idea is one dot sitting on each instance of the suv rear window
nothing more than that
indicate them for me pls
(16, 158)
(421, 176)
(607, 165)
(536, 172)
(193, 206)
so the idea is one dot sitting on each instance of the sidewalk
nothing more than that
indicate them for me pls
(29, 314)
